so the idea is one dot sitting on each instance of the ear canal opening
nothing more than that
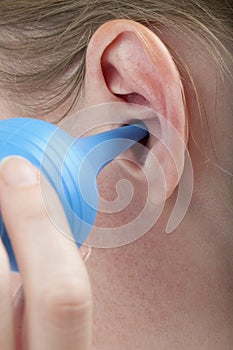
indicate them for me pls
(144, 140)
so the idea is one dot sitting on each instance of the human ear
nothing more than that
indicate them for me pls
(127, 62)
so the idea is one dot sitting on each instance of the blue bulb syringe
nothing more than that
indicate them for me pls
(71, 165)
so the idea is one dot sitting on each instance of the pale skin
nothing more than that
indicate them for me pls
(160, 292)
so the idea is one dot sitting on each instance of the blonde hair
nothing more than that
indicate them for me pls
(43, 42)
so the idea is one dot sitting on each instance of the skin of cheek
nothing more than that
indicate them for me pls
(4, 111)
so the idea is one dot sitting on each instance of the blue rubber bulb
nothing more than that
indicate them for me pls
(71, 165)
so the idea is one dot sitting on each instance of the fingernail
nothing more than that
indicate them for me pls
(16, 171)
(85, 252)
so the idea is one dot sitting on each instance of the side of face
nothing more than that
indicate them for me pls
(129, 64)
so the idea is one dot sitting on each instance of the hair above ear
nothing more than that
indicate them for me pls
(127, 62)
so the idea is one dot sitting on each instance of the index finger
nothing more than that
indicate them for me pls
(56, 284)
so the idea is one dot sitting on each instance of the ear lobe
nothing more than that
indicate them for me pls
(128, 62)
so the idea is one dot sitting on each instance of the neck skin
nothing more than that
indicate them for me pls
(173, 291)
(167, 290)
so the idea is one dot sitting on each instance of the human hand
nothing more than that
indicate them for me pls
(57, 308)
